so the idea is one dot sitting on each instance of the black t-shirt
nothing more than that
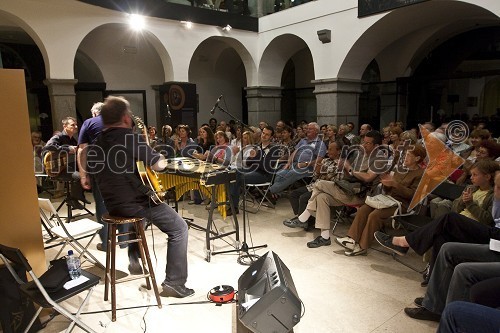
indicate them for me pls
(112, 159)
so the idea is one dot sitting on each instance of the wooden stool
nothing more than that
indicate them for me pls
(110, 276)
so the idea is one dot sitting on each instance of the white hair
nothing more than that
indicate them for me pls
(96, 109)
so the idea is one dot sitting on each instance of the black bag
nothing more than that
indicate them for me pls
(352, 186)
(55, 277)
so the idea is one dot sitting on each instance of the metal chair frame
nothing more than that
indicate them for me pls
(40, 296)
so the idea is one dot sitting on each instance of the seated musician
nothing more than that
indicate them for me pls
(64, 144)
(125, 196)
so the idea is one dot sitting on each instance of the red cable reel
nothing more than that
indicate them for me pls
(221, 294)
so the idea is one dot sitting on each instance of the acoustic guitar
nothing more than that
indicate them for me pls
(148, 176)
(55, 163)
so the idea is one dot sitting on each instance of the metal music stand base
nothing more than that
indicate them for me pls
(244, 257)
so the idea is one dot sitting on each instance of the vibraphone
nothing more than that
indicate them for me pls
(212, 180)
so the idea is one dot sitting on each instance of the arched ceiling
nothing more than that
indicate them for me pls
(420, 27)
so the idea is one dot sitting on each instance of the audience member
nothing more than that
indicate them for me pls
(301, 162)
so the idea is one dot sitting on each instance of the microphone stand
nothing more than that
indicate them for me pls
(247, 258)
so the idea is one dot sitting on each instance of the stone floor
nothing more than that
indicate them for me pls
(339, 293)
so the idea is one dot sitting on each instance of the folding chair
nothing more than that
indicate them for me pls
(69, 233)
(263, 190)
(36, 292)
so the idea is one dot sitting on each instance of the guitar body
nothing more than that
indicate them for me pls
(150, 179)
(55, 163)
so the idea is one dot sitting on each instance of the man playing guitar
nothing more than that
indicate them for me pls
(59, 156)
(112, 161)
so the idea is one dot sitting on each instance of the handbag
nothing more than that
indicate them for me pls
(381, 201)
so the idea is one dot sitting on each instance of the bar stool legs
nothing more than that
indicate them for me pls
(110, 276)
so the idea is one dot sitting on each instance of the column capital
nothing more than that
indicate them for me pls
(61, 87)
(337, 85)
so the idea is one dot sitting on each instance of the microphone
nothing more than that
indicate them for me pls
(169, 115)
(216, 105)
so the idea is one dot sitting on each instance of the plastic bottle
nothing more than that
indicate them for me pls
(73, 263)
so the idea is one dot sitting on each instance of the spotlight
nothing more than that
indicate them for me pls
(187, 24)
(136, 22)
(227, 28)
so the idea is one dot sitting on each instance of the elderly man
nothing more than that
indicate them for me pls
(365, 171)
(301, 162)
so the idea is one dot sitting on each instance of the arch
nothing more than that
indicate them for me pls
(217, 45)
(18, 22)
(275, 57)
(419, 28)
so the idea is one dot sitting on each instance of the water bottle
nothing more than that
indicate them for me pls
(73, 263)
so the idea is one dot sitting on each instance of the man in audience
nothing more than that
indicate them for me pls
(326, 170)
(258, 167)
(301, 162)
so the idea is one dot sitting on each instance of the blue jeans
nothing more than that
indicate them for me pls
(286, 177)
(169, 222)
(464, 317)
(458, 267)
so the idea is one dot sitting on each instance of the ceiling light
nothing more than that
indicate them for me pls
(227, 28)
(187, 24)
(136, 22)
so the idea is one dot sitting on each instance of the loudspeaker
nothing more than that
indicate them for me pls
(181, 99)
(267, 298)
(325, 35)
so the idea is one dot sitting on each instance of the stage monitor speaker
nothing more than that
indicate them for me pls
(267, 298)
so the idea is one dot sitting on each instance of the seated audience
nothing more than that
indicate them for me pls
(326, 194)
(301, 162)
(326, 170)
(400, 186)
(473, 208)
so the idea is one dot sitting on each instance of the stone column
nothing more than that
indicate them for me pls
(264, 104)
(337, 101)
(62, 99)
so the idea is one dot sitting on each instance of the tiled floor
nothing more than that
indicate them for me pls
(340, 294)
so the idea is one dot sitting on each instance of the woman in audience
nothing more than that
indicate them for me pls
(341, 135)
(206, 141)
(401, 186)
(331, 133)
(474, 206)
(288, 145)
(222, 152)
(184, 142)
(476, 138)
(487, 150)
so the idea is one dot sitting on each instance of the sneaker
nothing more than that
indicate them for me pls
(176, 291)
(418, 301)
(100, 247)
(346, 242)
(386, 241)
(422, 313)
(295, 223)
(319, 241)
(356, 251)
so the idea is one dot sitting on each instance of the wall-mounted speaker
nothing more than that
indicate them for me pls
(267, 299)
(182, 100)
